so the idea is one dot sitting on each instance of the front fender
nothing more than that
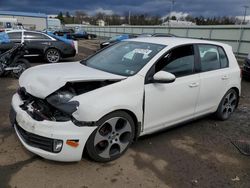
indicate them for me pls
(124, 95)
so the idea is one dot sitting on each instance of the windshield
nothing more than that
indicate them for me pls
(124, 58)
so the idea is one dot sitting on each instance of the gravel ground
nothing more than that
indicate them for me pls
(197, 154)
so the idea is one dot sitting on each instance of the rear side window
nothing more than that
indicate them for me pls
(212, 58)
(14, 35)
(35, 36)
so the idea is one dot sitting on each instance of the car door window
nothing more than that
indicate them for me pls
(15, 36)
(35, 36)
(179, 61)
(209, 57)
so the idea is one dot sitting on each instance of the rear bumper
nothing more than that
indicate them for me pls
(49, 130)
(68, 53)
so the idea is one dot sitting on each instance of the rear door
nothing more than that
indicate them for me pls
(214, 77)
(36, 43)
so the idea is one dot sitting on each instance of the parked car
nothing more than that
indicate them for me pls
(65, 33)
(156, 35)
(80, 33)
(74, 34)
(116, 39)
(133, 88)
(246, 68)
(51, 48)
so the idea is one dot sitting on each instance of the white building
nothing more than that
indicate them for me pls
(32, 21)
(178, 23)
(100, 22)
(54, 24)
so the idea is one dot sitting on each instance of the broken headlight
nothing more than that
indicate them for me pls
(61, 101)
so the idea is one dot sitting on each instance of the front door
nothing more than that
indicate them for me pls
(171, 103)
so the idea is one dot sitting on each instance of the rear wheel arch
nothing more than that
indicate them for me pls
(238, 93)
(52, 48)
(228, 104)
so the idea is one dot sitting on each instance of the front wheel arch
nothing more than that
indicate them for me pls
(138, 124)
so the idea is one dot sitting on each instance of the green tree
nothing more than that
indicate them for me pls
(60, 17)
(173, 18)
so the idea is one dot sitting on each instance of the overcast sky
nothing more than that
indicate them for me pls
(158, 7)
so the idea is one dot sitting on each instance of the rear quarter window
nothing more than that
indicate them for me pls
(14, 35)
(223, 58)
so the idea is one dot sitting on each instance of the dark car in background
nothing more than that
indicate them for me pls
(77, 33)
(65, 33)
(49, 47)
(246, 68)
(116, 39)
(82, 34)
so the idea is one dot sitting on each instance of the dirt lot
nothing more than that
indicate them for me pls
(198, 154)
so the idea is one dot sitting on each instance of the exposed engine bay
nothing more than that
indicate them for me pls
(57, 106)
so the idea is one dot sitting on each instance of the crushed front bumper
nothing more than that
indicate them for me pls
(50, 130)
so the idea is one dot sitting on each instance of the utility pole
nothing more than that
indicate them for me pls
(241, 28)
(245, 13)
(129, 18)
(171, 8)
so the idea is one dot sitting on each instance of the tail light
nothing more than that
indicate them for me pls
(72, 44)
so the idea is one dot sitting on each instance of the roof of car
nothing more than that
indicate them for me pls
(174, 41)
(21, 30)
(15, 30)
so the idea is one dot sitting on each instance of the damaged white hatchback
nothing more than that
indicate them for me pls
(135, 87)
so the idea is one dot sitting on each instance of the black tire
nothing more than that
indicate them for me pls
(227, 105)
(112, 144)
(24, 64)
(52, 55)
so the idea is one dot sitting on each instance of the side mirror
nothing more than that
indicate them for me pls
(163, 77)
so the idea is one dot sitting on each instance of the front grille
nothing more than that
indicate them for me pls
(35, 140)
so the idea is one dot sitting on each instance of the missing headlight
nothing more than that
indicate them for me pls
(61, 101)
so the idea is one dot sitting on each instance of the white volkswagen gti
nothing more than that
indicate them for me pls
(136, 87)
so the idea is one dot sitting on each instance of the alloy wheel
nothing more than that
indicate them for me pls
(112, 137)
(53, 56)
(229, 104)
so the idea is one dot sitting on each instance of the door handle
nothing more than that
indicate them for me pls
(225, 77)
(192, 85)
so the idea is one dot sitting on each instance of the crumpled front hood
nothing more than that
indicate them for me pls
(41, 81)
